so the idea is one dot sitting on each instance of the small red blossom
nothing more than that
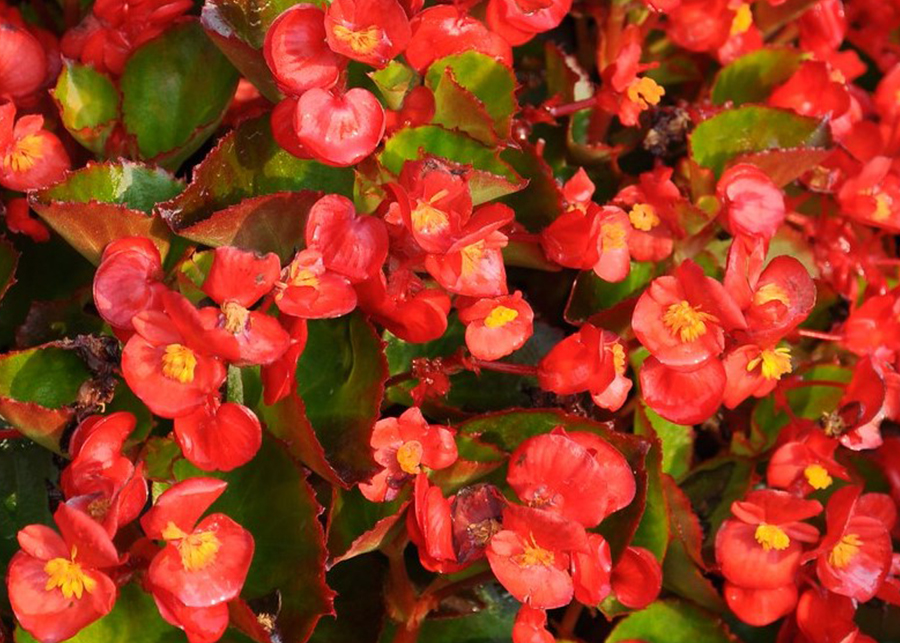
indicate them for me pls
(444, 30)
(311, 291)
(19, 220)
(30, 156)
(128, 281)
(637, 578)
(754, 205)
(352, 245)
(23, 62)
(369, 31)
(531, 626)
(217, 436)
(498, 326)
(339, 128)
(297, 51)
(806, 464)
(580, 362)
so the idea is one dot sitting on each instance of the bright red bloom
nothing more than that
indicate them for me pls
(651, 206)
(531, 626)
(56, 583)
(592, 572)
(167, 363)
(823, 27)
(782, 299)
(430, 527)
(297, 52)
(237, 280)
(219, 437)
(30, 156)
(636, 578)
(201, 624)
(580, 362)
(497, 327)
(339, 129)
(615, 394)
(402, 447)
(873, 195)
(100, 480)
(624, 91)
(700, 25)
(813, 91)
(578, 475)
(278, 378)
(444, 30)
(855, 553)
(311, 291)
(518, 21)
(402, 304)
(754, 205)
(824, 617)
(353, 245)
(203, 563)
(753, 371)
(806, 464)
(370, 31)
(19, 221)
(760, 607)
(873, 327)
(473, 267)
(683, 397)
(23, 63)
(128, 281)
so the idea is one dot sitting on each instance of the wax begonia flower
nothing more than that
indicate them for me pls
(813, 91)
(57, 583)
(518, 21)
(476, 512)
(861, 407)
(405, 306)
(855, 553)
(760, 607)
(700, 25)
(369, 31)
(806, 465)
(167, 363)
(429, 525)
(592, 572)
(616, 392)
(578, 363)
(873, 195)
(101, 481)
(578, 475)
(297, 52)
(237, 279)
(754, 205)
(281, 122)
(217, 436)
(637, 578)
(128, 281)
(625, 92)
(30, 156)
(683, 397)
(311, 291)
(203, 563)
(444, 30)
(23, 62)
(753, 371)
(650, 205)
(530, 626)
(352, 245)
(475, 269)
(823, 27)
(783, 297)
(339, 129)
(825, 617)
(279, 377)
(498, 326)
(201, 624)
(19, 220)
(873, 326)
(402, 447)
(417, 109)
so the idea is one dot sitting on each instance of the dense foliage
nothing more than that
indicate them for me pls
(393, 321)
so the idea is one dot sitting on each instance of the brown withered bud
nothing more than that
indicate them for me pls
(476, 517)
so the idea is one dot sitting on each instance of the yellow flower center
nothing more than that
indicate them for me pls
(817, 476)
(643, 217)
(686, 322)
(645, 92)
(618, 358)
(68, 577)
(612, 236)
(362, 41)
(743, 19)
(428, 219)
(773, 363)
(302, 277)
(235, 317)
(771, 537)
(500, 316)
(178, 363)
(99, 508)
(883, 205)
(534, 555)
(24, 154)
(471, 257)
(771, 292)
(198, 550)
(842, 553)
(409, 456)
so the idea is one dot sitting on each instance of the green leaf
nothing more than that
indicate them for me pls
(394, 81)
(88, 104)
(677, 440)
(456, 108)
(49, 376)
(103, 202)
(492, 178)
(175, 90)
(591, 294)
(490, 621)
(752, 77)
(671, 621)
(359, 605)
(9, 260)
(271, 498)
(134, 619)
(246, 163)
(540, 202)
(753, 128)
(653, 530)
(712, 487)
(357, 526)
(340, 378)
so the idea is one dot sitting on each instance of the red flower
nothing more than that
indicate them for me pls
(30, 156)
(530, 626)
(651, 207)
(813, 91)
(201, 624)
(760, 607)
(754, 205)
(56, 583)
(237, 280)
(167, 362)
(23, 62)
(518, 21)
(782, 299)
(444, 30)
(873, 195)
(278, 378)
(297, 52)
(100, 480)
(806, 464)
(824, 617)
(823, 27)
(855, 553)
(430, 527)
(615, 394)
(577, 475)
(339, 129)
(19, 221)
(580, 362)
(370, 31)
(636, 578)
(203, 563)
(497, 327)
(754, 371)
(219, 437)
(311, 291)
(402, 447)
(683, 397)
(403, 305)
(473, 267)
(128, 281)
(624, 92)
(592, 572)
(351, 245)
(700, 25)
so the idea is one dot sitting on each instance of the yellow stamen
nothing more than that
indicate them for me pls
(178, 363)
(409, 456)
(771, 292)
(99, 508)
(743, 19)
(362, 41)
(500, 316)
(24, 154)
(198, 550)
(618, 358)
(235, 317)
(883, 205)
(842, 553)
(612, 236)
(643, 217)
(817, 476)
(771, 537)
(428, 219)
(534, 555)
(645, 92)
(686, 322)
(68, 577)
(471, 257)
(773, 363)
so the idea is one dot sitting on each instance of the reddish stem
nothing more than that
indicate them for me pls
(815, 334)
(10, 434)
(568, 109)
(505, 367)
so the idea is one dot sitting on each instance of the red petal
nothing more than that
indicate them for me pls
(339, 130)
(296, 51)
(637, 578)
(760, 607)
(352, 245)
(683, 398)
(219, 439)
(241, 276)
(182, 504)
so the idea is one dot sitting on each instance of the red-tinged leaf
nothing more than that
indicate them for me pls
(270, 223)
(540, 202)
(677, 440)
(768, 17)
(9, 260)
(88, 104)
(271, 498)
(652, 532)
(671, 621)
(459, 109)
(563, 72)
(785, 165)
(752, 77)
(360, 603)
(44, 426)
(476, 460)
(242, 617)
(685, 526)
(103, 202)
(357, 526)
(591, 294)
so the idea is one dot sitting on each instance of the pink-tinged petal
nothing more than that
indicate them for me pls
(41, 542)
(753, 203)
(683, 398)
(352, 245)
(201, 624)
(127, 281)
(530, 626)
(297, 52)
(339, 130)
(636, 578)
(241, 276)
(182, 504)
(86, 536)
(591, 572)
(760, 607)
(369, 31)
(444, 30)
(491, 333)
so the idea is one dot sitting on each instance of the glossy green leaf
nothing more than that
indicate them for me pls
(456, 108)
(752, 77)
(653, 530)
(103, 202)
(492, 178)
(359, 605)
(357, 526)
(175, 90)
(88, 103)
(712, 487)
(591, 294)
(671, 621)
(394, 81)
(677, 440)
(540, 202)
(753, 128)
